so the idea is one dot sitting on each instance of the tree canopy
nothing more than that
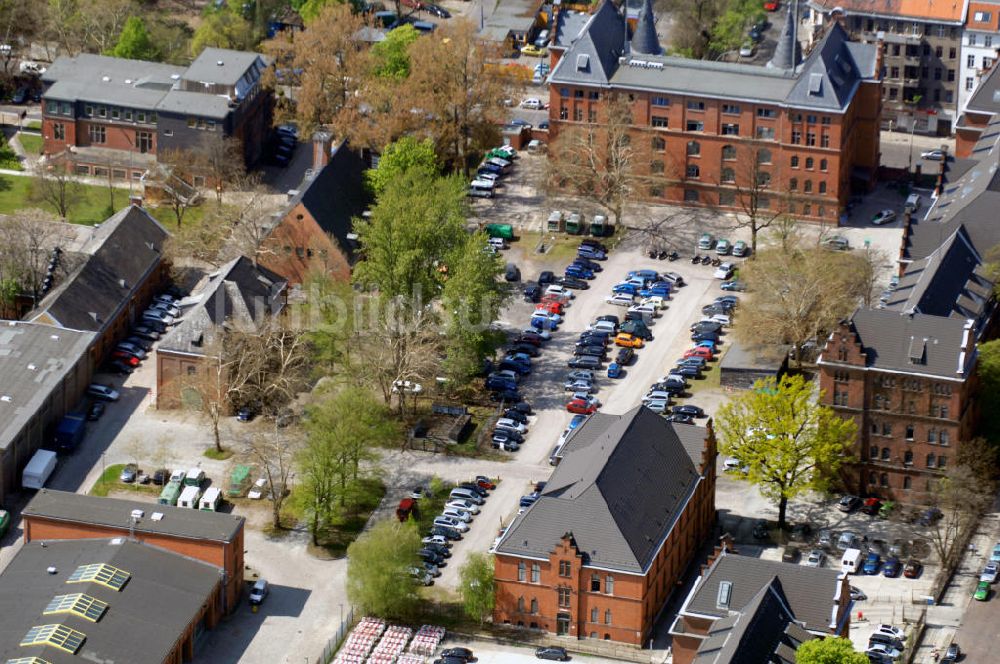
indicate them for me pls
(134, 42)
(789, 442)
(477, 586)
(378, 578)
(392, 57)
(406, 154)
(829, 651)
(989, 392)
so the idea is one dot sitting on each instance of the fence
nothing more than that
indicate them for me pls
(608, 649)
(330, 649)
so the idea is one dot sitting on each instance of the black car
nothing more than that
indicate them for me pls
(521, 407)
(691, 362)
(556, 653)
(532, 293)
(20, 96)
(546, 278)
(680, 418)
(515, 415)
(141, 343)
(760, 530)
(592, 349)
(527, 349)
(95, 411)
(118, 367)
(595, 244)
(713, 309)
(570, 282)
(625, 355)
(509, 434)
(161, 476)
(593, 266)
(689, 371)
(532, 338)
(431, 557)
(439, 549)
(450, 660)
(505, 395)
(584, 362)
(688, 409)
(705, 336)
(593, 339)
(512, 273)
(639, 329)
(438, 11)
(244, 415)
(728, 300)
(673, 389)
(706, 326)
(446, 532)
(464, 653)
(610, 318)
(472, 486)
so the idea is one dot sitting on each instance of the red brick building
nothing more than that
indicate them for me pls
(621, 517)
(807, 130)
(212, 537)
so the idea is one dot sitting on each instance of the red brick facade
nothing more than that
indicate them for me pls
(909, 425)
(565, 596)
(298, 247)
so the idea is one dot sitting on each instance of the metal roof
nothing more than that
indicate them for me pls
(150, 614)
(34, 359)
(106, 80)
(116, 513)
(183, 102)
(754, 357)
(619, 494)
(222, 66)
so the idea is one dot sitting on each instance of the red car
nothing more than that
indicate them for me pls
(551, 307)
(700, 351)
(552, 297)
(581, 407)
(485, 482)
(771, 5)
(127, 358)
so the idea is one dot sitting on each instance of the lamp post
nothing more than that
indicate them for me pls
(913, 124)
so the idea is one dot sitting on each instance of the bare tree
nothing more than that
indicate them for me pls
(57, 188)
(267, 366)
(220, 160)
(173, 178)
(251, 218)
(27, 238)
(753, 179)
(210, 385)
(872, 267)
(274, 454)
(598, 160)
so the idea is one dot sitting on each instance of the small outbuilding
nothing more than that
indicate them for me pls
(743, 365)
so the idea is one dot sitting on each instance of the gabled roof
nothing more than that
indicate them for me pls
(239, 293)
(986, 98)
(830, 76)
(754, 633)
(569, 26)
(618, 491)
(149, 615)
(645, 41)
(810, 594)
(593, 57)
(123, 251)
(918, 343)
(336, 195)
(116, 513)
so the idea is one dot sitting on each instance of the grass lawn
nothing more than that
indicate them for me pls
(108, 482)
(345, 526)
(713, 376)
(9, 159)
(32, 143)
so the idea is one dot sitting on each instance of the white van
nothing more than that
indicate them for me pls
(912, 203)
(480, 188)
(189, 497)
(211, 500)
(851, 562)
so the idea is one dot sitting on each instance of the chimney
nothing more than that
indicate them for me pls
(322, 145)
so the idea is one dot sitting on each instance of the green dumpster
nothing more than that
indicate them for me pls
(600, 226)
(574, 224)
(505, 231)
(239, 480)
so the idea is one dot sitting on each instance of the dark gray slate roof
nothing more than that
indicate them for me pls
(239, 293)
(809, 592)
(124, 250)
(107, 80)
(569, 25)
(143, 621)
(890, 339)
(949, 282)
(826, 81)
(645, 41)
(336, 195)
(115, 513)
(33, 360)
(986, 98)
(619, 495)
(754, 357)
(223, 66)
(754, 634)
(183, 102)
(788, 51)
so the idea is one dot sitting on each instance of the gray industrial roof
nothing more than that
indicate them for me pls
(123, 251)
(811, 593)
(184, 102)
(222, 66)
(918, 343)
(142, 622)
(827, 80)
(33, 360)
(237, 293)
(116, 513)
(754, 357)
(106, 80)
(986, 98)
(617, 492)
(511, 16)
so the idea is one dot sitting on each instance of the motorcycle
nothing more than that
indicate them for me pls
(706, 260)
(672, 256)
(695, 259)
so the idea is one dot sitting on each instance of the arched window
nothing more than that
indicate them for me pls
(795, 161)
(763, 156)
(534, 605)
(763, 178)
(656, 166)
(728, 175)
(886, 453)
(907, 482)
(793, 184)
(520, 605)
(822, 187)
(808, 186)
(607, 617)
(809, 162)
(728, 153)
(822, 164)
(694, 148)
(693, 171)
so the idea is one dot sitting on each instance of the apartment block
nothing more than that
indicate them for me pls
(979, 47)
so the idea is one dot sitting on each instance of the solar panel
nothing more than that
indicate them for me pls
(106, 575)
(27, 660)
(79, 604)
(57, 636)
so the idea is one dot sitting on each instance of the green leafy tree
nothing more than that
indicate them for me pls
(472, 297)
(989, 389)
(477, 587)
(392, 57)
(378, 578)
(829, 651)
(310, 9)
(134, 42)
(730, 29)
(789, 442)
(406, 154)
(223, 29)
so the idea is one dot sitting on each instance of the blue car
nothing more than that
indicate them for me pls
(891, 569)
(873, 562)
(650, 275)
(628, 289)
(578, 272)
(589, 264)
(591, 252)
(499, 384)
(576, 421)
(659, 291)
(516, 367)
(614, 370)
(706, 343)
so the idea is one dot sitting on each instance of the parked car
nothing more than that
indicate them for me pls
(258, 592)
(723, 247)
(816, 558)
(848, 503)
(883, 217)
(873, 562)
(734, 285)
(891, 568)
(934, 155)
(144, 332)
(724, 271)
(103, 392)
(982, 592)
(990, 571)
(740, 249)
(555, 653)
(129, 473)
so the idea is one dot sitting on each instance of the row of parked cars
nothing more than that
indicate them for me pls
(722, 246)
(463, 504)
(497, 163)
(131, 351)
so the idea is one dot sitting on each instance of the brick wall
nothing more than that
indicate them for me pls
(298, 246)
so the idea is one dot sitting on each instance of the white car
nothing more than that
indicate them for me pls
(934, 155)
(891, 630)
(463, 505)
(406, 386)
(884, 217)
(644, 309)
(816, 558)
(457, 514)
(657, 405)
(620, 300)
(990, 572)
(655, 301)
(508, 423)
(602, 326)
(883, 651)
(732, 464)
(436, 539)
(103, 392)
(721, 319)
(532, 103)
(258, 490)
(556, 289)
(655, 395)
(449, 522)
(724, 271)
(580, 386)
